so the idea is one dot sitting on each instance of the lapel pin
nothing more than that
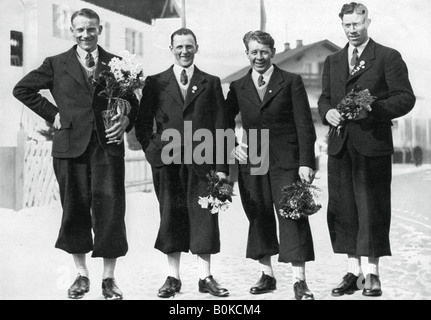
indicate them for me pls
(194, 88)
(270, 91)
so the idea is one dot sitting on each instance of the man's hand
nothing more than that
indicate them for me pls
(333, 117)
(115, 134)
(239, 153)
(57, 123)
(306, 174)
(221, 176)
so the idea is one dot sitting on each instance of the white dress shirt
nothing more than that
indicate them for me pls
(266, 77)
(361, 49)
(189, 72)
(82, 54)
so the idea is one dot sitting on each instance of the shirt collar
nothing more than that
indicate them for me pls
(360, 48)
(82, 53)
(266, 76)
(189, 70)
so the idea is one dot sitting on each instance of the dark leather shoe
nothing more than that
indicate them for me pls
(110, 290)
(209, 285)
(170, 287)
(373, 287)
(265, 284)
(348, 286)
(301, 291)
(79, 288)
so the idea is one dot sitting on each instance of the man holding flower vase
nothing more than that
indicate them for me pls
(371, 81)
(88, 158)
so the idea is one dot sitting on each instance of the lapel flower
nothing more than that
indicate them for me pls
(194, 88)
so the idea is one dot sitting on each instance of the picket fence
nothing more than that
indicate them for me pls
(41, 187)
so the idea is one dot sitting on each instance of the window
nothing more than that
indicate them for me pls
(16, 48)
(135, 42)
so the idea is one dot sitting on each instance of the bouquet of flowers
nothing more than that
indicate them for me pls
(298, 200)
(353, 104)
(220, 194)
(123, 78)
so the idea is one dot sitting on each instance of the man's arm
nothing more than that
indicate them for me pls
(145, 115)
(304, 124)
(27, 91)
(221, 124)
(400, 99)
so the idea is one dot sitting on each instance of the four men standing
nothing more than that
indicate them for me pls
(89, 162)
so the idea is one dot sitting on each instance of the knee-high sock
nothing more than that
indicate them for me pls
(204, 265)
(266, 266)
(81, 264)
(109, 268)
(298, 271)
(373, 266)
(354, 264)
(174, 260)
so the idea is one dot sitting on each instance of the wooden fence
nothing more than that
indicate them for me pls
(40, 186)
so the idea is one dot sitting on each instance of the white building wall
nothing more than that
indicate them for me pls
(35, 18)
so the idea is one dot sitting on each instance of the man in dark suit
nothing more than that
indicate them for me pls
(274, 100)
(359, 163)
(88, 162)
(182, 100)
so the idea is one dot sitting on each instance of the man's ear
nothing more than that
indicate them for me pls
(197, 49)
(367, 23)
(273, 52)
(100, 30)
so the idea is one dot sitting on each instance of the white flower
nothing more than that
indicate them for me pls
(204, 202)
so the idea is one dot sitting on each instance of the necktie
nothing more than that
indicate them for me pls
(89, 61)
(355, 58)
(183, 77)
(260, 81)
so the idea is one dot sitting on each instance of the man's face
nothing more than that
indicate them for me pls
(184, 49)
(356, 28)
(86, 32)
(260, 56)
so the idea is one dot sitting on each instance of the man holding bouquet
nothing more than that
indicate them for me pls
(88, 161)
(274, 101)
(359, 152)
(183, 99)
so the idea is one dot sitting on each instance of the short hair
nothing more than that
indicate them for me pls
(85, 12)
(259, 36)
(183, 32)
(352, 7)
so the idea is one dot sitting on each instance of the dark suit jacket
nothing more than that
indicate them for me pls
(162, 101)
(285, 111)
(386, 76)
(76, 100)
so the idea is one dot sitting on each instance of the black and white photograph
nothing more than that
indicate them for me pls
(232, 153)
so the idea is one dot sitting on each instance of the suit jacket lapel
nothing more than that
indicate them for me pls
(195, 88)
(74, 68)
(343, 64)
(171, 87)
(249, 90)
(365, 61)
(103, 62)
(274, 86)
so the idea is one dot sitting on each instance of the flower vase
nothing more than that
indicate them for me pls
(109, 113)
